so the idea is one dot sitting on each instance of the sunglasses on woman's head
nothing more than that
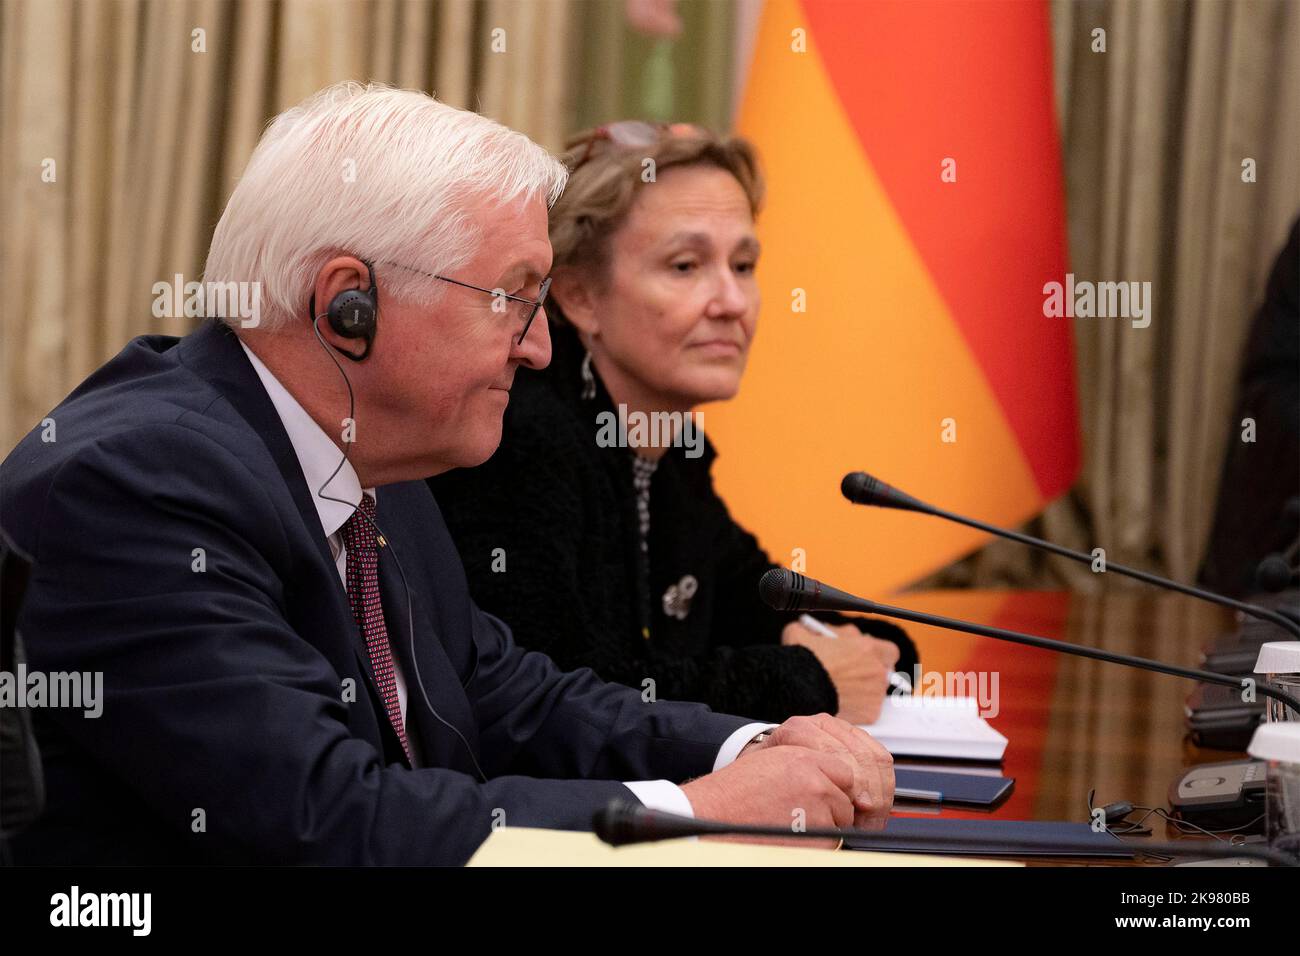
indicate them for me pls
(634, 134)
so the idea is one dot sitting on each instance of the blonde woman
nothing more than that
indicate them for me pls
(599, 537)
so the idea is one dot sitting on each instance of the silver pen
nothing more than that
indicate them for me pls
(896, 679)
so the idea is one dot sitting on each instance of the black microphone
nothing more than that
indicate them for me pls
(862, 489)
(1274, 574)
(621, 823)
(787, 590)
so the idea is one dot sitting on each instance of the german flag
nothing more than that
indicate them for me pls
(915, 213)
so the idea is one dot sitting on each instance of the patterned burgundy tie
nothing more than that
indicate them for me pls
(362, 545)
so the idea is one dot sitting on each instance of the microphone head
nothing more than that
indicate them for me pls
(777, 589)
(863, 489)
(786, 590)
(621, 822)
(1273, 573)
(617, 823)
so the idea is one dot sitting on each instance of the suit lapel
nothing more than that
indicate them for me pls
(212, 352)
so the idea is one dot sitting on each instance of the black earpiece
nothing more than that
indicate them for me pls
(354, 314)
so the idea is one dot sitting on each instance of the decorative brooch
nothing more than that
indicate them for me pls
(677, 599)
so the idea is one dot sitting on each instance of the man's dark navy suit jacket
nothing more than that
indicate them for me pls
(226, 735)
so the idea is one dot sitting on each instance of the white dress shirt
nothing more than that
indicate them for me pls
(318, 457)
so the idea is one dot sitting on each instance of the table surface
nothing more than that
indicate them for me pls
(1075, 724)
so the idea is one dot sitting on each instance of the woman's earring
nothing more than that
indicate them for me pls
(588, 380)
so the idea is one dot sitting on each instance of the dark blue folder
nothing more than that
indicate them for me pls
(962, 789)
(993, 838)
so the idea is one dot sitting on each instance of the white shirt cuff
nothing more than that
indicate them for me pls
(667, 796)
(662, 795)
(733, 745)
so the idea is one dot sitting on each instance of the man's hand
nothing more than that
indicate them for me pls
(872, 790)
(858, 666)
(779, 786)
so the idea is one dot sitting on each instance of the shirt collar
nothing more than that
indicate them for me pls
(317, 455)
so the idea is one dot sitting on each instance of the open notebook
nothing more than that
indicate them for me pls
(946, 727)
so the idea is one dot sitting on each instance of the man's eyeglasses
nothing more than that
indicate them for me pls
(526, 314)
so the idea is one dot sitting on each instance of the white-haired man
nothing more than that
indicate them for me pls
(232, 528)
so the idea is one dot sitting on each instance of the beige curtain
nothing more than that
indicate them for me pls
(124, 124)
(1154, 134)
